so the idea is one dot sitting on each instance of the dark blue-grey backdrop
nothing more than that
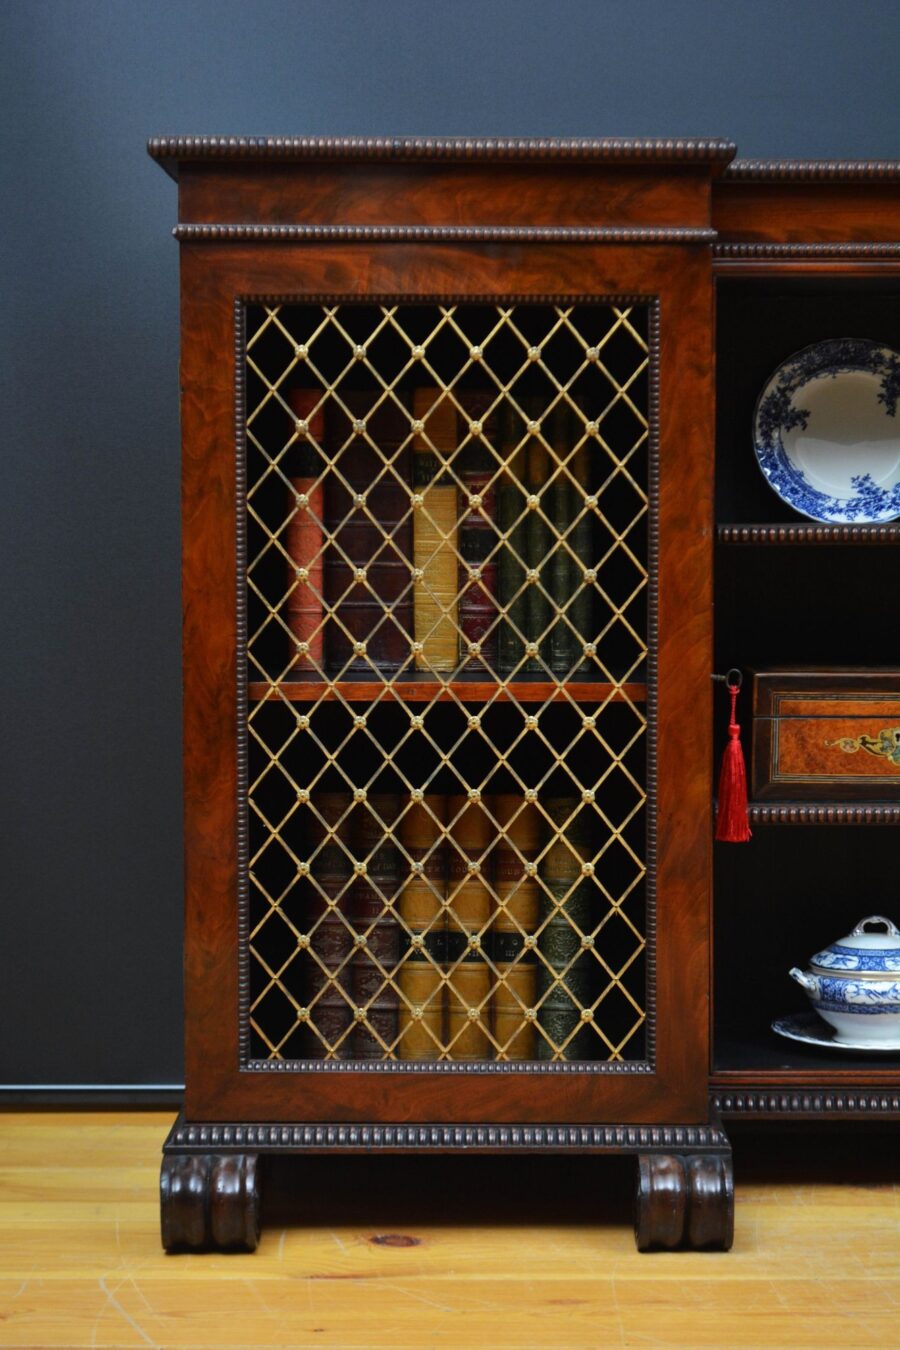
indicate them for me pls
(90, 822)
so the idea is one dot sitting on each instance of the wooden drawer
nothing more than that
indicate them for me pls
(826, 733)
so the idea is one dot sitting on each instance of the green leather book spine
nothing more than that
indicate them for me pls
(537, 548)
(561, 567)
(581, 609)
(511, 593)
(563, 985)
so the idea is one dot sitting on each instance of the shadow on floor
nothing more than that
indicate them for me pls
(396, 1195)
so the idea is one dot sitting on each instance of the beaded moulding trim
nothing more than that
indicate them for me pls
(294, 1138)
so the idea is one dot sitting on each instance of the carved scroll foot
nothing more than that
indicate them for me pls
(684, 1201)
(210, 1200)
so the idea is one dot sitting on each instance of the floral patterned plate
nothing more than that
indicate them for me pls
(808, 1028)
(826, 431)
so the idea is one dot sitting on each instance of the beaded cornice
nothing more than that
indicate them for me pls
(786, 813)
(169, 150)
(861, 252)
(443, 234)
(808, 534)
(812, 170)
(853, 1102)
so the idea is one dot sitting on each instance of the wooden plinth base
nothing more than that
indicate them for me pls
(210, 1188)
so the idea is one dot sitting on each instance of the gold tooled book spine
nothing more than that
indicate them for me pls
(435, 521)
(470, 905)
(515, 922)
(564, 973)
(537, 548)
(423, 915)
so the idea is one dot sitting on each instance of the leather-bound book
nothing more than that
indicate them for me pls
(331, 937)
(515, 923)
(377, 945)
(367, 567)
(477, 539)
(563, 980)
(470, 905)
(423, 915)
(583, 543)
(303, 535)
(511, 590)
(562, 570)
(435, 516)
(537, 547)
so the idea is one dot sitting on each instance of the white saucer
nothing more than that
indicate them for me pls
(811, 1030)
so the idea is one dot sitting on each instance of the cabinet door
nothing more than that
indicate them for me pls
(447, 668)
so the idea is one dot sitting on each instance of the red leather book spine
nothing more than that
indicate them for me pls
(303, 535)
(368, 585)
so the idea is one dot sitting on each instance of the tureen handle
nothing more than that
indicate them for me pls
(876, 918)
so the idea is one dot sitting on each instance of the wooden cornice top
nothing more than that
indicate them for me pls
(171, 151)
(812, 170)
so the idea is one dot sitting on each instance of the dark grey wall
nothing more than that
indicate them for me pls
(90, 953)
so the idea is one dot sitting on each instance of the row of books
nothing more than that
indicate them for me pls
(458, 940)
(357, 536)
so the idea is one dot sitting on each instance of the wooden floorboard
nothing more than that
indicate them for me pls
(505, 1253)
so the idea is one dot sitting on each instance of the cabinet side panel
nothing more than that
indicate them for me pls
(684, 848)
(208, 592)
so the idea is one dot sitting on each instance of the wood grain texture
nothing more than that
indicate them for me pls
(473, 195)
(514, 1254)
(800, 211)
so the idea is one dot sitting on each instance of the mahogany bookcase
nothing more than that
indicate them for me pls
(638, 293)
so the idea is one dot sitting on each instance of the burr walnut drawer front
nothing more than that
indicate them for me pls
(822, 733)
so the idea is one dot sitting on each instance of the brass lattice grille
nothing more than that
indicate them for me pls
(446, 586)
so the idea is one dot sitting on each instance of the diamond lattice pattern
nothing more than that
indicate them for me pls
(446, 589)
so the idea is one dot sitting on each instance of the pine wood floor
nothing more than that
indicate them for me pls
(505, 1253)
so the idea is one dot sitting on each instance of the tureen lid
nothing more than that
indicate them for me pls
(862, 950)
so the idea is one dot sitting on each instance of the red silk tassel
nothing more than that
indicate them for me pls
(732, 819)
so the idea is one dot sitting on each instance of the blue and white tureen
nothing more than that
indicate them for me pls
(855, 985)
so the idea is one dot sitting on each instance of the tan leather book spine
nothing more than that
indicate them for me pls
(515, 922)
(304, 534)
(435, 523)
(470, 906)
(377, 951)
(423, 917)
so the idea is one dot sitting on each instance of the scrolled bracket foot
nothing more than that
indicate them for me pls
(684, 1201)
(210, 1201)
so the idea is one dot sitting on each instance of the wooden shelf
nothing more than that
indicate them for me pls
(808, 534)
(424, 691)
(825, 813)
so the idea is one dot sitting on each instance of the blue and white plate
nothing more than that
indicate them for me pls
(827, 435)
(809, 1029)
